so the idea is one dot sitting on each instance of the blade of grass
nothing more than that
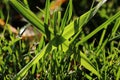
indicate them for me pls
(47, 17)
(1, 14)
(101, 43)
(76, 25)
(26, 3)
(59, 21)
(70, 29)
(118, 75)
(102, 46)
(99, 28)
(29, 15)
(115, 37)
(115, 28)
(47, 11)
(54, 42)
(88, 65)
(55, 15)
(102, 37)
(67, 16)
(26, 68)
(22, 72)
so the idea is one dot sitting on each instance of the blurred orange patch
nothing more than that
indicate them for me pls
(2, 24)
(56, 4)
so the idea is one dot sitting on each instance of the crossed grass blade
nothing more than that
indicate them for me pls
(100, 28)
(67, 33)
(70, 29)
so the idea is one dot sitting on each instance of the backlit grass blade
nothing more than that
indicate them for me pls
(23, 71)
(77, 24)
(88, 65)
(54, 42)
(27, 14)
(67, 16)
(100, 28)
(71, 29)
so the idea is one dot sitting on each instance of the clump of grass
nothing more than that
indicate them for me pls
(62, 57)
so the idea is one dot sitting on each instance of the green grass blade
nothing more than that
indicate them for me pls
(88, 65)
(77, 24)
(54, 42)
(113, 33)
(59, 21)
(118, 75)
(102, 46)
(70, 29)
(47, 17)
(67, 16)
(55, 16)
(32, 62)
(116, 26)
(29, 15)
(26, 3)
(102, 37)
(115, 37)
(100, 28)
(47, 12)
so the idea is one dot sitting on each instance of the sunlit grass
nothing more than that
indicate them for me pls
(67, 54)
